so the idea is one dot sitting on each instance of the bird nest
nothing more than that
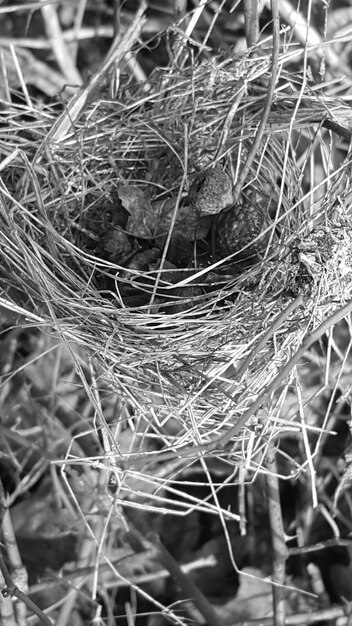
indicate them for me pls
(125, 231)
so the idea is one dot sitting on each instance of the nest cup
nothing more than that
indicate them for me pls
(171, 327)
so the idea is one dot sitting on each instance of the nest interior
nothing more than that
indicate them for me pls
(111, 236)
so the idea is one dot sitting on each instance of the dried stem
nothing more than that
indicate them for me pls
(251, 22)
(270, 333)
(267, 104)
(189, 589)
(277, 536)
(220, 441)
(12, 590)
(284, 372)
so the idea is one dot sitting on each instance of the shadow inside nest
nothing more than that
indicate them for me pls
(172, 272)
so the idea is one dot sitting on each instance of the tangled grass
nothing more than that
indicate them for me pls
(205, 359)
(179, 366)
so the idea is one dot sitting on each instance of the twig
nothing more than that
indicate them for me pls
(66, 578)
(12, 590)
(14, 558)
(303, 619)
(321, 545)
(116, 17)
(196, 14)
(7, 609)
(267, 104)
(179, 9)
(251, 22)
(186, 583)
(306, 444)
(58, 44)
(310, 37)
(76, 30)
(277, 536)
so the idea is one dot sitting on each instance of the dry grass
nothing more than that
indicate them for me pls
(215, 380)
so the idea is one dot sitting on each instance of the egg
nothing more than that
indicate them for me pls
(236, 232)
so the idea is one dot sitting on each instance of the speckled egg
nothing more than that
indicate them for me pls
(211, 191)
(238, 227)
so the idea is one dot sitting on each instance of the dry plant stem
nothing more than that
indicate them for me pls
(58, 44)
(330, 615)
(267, 105)
(12, 590)
(189, 589)
(76, 30)
(138, 579)
(277, 536)
(22, 441)
(201, 5)
(180, 9)
(116, 17)
(284, 372)
(169, 235)
(272, 330)
(321, 545)
(7, 614)
(220, 441)
(251, 22)
(77, 105)
(310, 37)
(14, 558)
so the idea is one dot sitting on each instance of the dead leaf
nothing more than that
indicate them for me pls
(151, 220)
(141, 221)
(188, 224)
